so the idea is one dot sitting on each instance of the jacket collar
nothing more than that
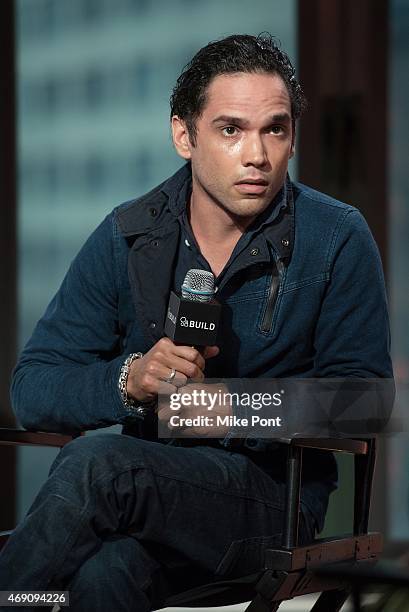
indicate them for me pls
(178, 188)
(155, 209)
(152, 224)
(281, 232)
(167, 201)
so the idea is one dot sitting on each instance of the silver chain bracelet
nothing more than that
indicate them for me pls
(123, 379)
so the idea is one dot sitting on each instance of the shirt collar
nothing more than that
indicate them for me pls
(276, 222)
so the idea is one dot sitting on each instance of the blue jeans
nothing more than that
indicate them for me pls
(122, 523)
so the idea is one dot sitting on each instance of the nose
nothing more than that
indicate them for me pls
(253, 152)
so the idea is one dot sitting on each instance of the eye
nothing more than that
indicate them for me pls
(229, 130)
(277, 129)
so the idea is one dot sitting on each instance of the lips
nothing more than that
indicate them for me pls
(251, 186)
(252, 181)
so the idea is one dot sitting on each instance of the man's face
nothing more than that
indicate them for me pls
(244, 141)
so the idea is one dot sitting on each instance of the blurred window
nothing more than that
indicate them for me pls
(95, 174)
(94, 88)
(50, 92)
(92, 10)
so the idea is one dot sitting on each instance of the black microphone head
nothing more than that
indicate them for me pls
(198, 286)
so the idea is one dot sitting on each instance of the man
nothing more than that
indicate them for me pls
(123, 522)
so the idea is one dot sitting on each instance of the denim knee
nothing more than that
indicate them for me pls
(118, 576)
(95, 585)
(96, 454)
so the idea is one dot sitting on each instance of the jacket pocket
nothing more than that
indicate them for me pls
(244, 557)
(266, 324)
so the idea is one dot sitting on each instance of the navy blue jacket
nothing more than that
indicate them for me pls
(303, 296)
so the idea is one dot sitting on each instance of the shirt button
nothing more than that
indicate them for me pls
(152, 324)
(154, 243)
(153, 212)
(254, 252)
(285, 242)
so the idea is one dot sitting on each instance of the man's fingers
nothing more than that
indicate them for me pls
(162, 365)
(195, 356)
(151, 386)
(170, 362)
(166, 373)
(211, 351)
(190, 353)
(188, 368)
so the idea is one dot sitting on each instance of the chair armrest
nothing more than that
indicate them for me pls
(342, 445)
(16, 437)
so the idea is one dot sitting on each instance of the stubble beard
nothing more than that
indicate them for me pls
(244, 215)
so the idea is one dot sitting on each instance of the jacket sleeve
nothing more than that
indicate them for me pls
(352, 337)
(352, 333)
(67, 376)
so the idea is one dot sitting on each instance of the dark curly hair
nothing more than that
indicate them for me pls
(236, 53)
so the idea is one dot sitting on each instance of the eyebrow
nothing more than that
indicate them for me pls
(280, 117)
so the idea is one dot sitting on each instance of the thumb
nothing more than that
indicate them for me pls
(211, 351)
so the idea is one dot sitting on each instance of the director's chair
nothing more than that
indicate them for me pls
(289, 570)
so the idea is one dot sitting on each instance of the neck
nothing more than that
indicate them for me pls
(212, 223)
(216, 230)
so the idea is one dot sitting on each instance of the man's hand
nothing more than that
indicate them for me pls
(203, 411)
(153, 370)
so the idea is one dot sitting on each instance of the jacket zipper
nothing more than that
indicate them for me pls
(272, 297)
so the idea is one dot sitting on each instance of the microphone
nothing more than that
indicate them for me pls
(198, 286)
(193, 317)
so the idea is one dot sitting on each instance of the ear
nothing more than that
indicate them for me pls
(180, 137)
